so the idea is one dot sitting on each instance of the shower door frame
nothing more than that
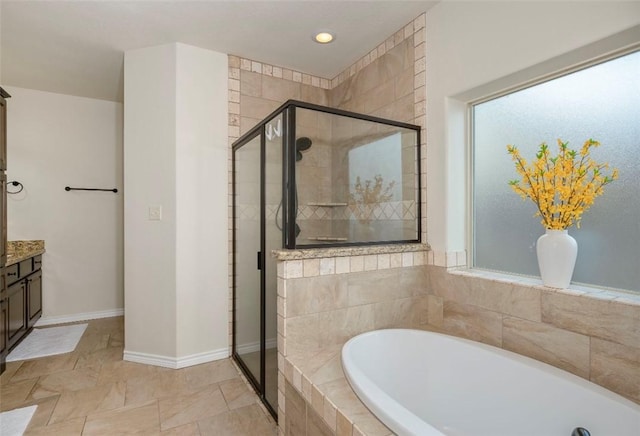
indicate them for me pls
(289, 165)
(258, 130)
(288, 112)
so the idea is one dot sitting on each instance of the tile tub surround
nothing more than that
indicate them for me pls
(593, 334)
(323, 302)
(18, 251)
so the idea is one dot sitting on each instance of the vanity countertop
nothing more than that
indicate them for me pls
(18, 251)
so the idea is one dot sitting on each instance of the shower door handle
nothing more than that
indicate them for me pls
(259, 257)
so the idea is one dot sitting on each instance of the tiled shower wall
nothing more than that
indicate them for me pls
(388, 82)
(255, 90)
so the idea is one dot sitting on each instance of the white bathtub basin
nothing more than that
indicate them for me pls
(424, 383)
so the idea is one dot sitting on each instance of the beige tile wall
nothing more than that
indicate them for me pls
(593, 335)
(384, 87)
(389, 82)
(302, 419)
(397, 64)
(324, 302)
(255, 90)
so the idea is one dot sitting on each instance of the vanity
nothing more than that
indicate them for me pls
(23, 300)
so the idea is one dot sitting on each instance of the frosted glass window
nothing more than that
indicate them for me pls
(600, 102)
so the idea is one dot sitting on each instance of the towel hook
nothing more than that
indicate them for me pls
(15, 183)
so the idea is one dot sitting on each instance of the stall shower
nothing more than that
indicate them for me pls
(310, 176)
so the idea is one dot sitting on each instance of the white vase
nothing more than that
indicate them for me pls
(557, 251)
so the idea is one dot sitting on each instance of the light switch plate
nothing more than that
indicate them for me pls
(155, 213)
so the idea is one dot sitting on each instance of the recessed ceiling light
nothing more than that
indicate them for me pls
(323, 37)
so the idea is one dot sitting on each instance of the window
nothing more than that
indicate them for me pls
(600, 102)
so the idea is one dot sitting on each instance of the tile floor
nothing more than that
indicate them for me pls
(92, 391)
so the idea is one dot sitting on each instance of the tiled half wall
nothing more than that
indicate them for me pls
(323, 302)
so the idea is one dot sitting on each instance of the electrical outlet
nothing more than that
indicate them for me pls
(155, 213)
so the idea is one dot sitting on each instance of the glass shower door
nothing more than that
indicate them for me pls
(247, 246)
(258, 229)
(273, 235)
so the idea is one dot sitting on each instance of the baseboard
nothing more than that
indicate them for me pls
(50, 320)
(173, 362)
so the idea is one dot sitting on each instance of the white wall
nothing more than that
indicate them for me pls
(150, 180)
(202, 196)
(55, 141)
(175, 156)
(472, 43)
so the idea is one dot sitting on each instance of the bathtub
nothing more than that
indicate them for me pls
(424, 383)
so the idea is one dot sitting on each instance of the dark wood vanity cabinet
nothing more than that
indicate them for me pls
(24, 298)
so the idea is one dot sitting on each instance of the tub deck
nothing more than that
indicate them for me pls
(320, 380)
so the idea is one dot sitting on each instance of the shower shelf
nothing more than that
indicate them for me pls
(327, 204)
(326, 238)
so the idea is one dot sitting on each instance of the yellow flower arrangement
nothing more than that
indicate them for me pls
(562, 187)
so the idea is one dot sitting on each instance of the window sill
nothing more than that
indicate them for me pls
(575, 289)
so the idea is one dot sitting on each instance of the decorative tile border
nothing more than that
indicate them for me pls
(449, 259)
(293, 269)
(394, 210)
(281, 73)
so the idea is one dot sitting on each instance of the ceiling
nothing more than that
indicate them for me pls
(76, 47)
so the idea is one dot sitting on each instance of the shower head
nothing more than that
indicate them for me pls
(302, 144)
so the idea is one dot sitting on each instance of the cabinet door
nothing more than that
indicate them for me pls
(34, 298)
(16, 310)
(4, 334)
(3, 283)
